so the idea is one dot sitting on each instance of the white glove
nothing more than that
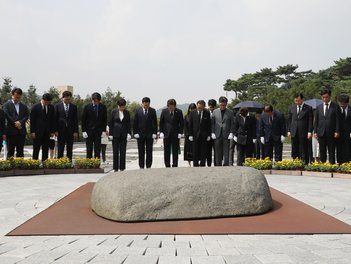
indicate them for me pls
(254, 140)
(230, 136)
(191, 138)
(129, 137)
(262, 140)
(85, 135)
(208, 138)
(213, 136)
(282, 139)
(179, 136)
(110, 137)
(162, 136)
(309, 134)
(235, 138)
(350, 135)
(136, 136)
(154, 136)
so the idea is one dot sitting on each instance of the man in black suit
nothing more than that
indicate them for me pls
(94, 122)
(2, 128)
(212, 104)
(171, 130)
(200, 132)
(16, 114)
(327, 126)
(66, 120)
(272, 133)
(343, 148)
(300, 128)
(145, 131)
(42, 126)
(244, 135)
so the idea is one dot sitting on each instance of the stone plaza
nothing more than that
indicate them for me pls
(24, 197)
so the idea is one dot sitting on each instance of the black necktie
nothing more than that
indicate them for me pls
(298, 112)
(270, 120)
(96, 110)
(326, 109)
(66, 110)
(172, 115)
(145, 112)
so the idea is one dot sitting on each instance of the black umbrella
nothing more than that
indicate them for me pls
(314, 103)
(251, 105)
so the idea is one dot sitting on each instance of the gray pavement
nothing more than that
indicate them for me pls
(23, 197)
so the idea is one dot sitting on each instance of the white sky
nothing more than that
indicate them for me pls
(182, 49)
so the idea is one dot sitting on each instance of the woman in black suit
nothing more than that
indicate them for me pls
(188, 147)
(120, 130)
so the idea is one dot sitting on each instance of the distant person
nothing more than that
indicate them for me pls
(188, 147)
(200, 132)
(16, 114)
(42, 126)
(222, 131)
(145, 131)
(244, 135)
(2, 128)
(67, 125)
(327, 126)
(171, 130)
(344, 141)
(120, 129)
(104, 142)
(300, 128)
(94, 122)
(212, 105)
(52, 147)
(272, 133)
(232, 143)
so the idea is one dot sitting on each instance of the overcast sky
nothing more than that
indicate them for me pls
(185, 49)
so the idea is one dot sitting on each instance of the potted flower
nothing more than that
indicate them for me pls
(85, 165)
(288, 167)
(58, 166)
(5, 168)
(24, 167)
(344, 171)
(264, 165)
(320, 169)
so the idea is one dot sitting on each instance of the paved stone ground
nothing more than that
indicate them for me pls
(23, 197)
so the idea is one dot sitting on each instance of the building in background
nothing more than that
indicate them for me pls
(63, 88)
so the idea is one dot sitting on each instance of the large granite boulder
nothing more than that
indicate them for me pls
(181, 193)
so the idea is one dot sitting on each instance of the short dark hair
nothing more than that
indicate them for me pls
(66, 94)
(298, 95)
(96, 96)
(223, 99)
(17, 91)
(47, 97)
(212, 102)
(268, 108)
(171, 102)
(325, 91)
(244, 111)
(202, 102)
(343, 98)
(122, 102)
(146, 100)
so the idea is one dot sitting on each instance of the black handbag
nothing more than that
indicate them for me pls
(242, 139)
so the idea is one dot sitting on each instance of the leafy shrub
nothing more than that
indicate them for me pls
(83, 163)
(322, 167)
(265, 164)
(24, 164)
(62, 163)
(5, 165)
(290, 164)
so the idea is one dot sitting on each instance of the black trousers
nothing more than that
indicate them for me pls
(103, 152)
(1, 140)
(343, 151)
(277, 146)
(244, 151)
(15, 142)
(199, 152)
(42, 143)
(210, 147)
(119, 147)
(327, 143)
(258, 149)
(93, 143)
(145, 144)
(299, 147)
(171, 144)
(65, 139)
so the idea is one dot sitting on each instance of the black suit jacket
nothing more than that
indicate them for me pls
(345, 124)
(329, 124)
(275, 130)
(117, 127)
(145, 125)
(40, 121)
(169, 126)
(12, 117)
(2, 123)
(200, 130)
(66, 124)
(92, 123)
(303, 123)
(245, 129)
